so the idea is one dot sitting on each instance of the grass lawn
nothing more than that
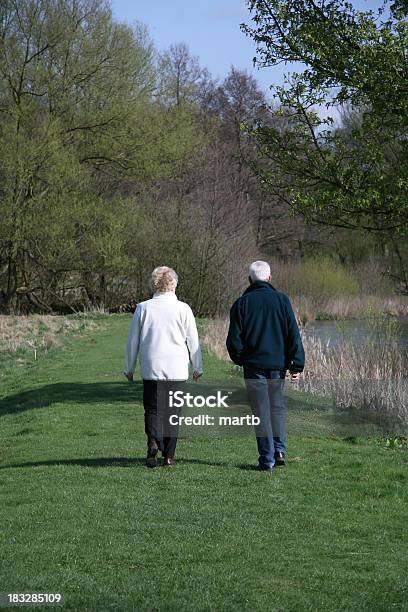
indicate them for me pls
(80, 514)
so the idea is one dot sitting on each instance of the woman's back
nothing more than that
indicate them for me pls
(166, 332)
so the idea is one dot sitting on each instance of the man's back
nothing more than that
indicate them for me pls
(263, 330)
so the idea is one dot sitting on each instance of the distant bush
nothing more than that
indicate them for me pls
(321, 277)
(323, 288)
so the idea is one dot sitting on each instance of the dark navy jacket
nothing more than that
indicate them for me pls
(263, 331)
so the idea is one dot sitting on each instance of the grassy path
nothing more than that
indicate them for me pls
(81, 515)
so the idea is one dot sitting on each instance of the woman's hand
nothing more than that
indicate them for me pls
(129, 376)
(196, 375)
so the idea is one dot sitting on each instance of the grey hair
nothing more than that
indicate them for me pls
(259, 270)
(163, 279)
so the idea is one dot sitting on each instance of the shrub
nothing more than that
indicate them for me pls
(322, 278)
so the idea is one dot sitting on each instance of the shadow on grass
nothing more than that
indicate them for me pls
(91, 462)
(76, 393)
(102, 462)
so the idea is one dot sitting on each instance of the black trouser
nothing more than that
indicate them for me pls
(161, 434)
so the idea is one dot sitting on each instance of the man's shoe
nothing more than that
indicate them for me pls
(168, 462)
(279, 458)
(266, 467)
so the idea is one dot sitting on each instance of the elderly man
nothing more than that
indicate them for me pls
(164, 334)
(264, 338)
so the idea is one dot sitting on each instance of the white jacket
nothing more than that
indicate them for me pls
(164, 334)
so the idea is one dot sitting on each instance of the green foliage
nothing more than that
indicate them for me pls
(395, 443)
(326, 277)
(321, 276)
(77, 121)
(115, 158)
(351, 57)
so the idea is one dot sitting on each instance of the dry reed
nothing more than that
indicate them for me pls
(37, 332)
(368, 377)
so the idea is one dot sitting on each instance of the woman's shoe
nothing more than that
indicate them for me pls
(168, 462)
(151, 459)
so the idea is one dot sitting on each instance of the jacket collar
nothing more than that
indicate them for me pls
(163, 295)
(258, 285)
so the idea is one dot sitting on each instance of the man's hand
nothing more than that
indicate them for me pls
(294, 376)
(196, 375)
(129, 376)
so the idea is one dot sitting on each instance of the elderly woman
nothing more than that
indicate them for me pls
(164, 334)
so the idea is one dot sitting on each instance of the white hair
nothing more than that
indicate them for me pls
(259, 270)
(163, 279)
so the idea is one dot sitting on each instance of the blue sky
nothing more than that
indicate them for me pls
(210, 28)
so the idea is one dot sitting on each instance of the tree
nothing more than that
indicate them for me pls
(348, 57)
(181, 77)
(77, 121)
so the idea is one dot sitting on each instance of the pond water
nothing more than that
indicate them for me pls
(359, 331)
